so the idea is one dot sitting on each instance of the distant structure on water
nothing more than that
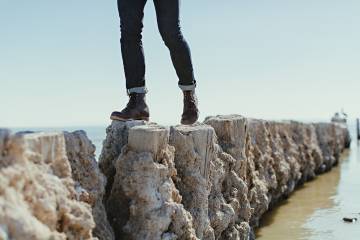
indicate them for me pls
(340, 117)
(358, 128)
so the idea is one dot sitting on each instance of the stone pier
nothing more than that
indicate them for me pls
(212, 180)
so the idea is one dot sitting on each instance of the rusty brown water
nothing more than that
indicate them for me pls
(315, 210)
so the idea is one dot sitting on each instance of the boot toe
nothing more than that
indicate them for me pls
(116, 116)
(123, 117)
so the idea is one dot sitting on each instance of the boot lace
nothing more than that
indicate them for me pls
(190, 102)
(132, 102)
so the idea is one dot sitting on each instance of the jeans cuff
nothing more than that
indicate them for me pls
(187, 87)
(137, 90)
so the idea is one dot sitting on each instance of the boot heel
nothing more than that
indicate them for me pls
(145, 118)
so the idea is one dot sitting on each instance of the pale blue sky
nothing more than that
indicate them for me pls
(60, 61)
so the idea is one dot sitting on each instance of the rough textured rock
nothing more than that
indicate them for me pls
(194, 153)
(89, 181)
(332, 139)
(116, 139)
(37, 194)
(231, 186)
(206, 181)
(226, 173)
(143, 185)
(117, 208)
(272, 158)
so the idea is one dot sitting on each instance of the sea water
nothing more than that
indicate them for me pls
(315, 211)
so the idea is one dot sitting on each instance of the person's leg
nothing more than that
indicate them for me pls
(131, 16)
(167, 12)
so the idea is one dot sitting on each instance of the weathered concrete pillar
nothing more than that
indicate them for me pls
(144, 188)
(195, 150)
(327, 143)
(37, 193)
(232, 134)
(89, 181)
(116, 139)
(187, 183)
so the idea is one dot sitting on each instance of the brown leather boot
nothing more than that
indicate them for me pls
(136, 109)
(191, 113)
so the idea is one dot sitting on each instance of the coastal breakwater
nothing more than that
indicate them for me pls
(50, 187)
(212, 180)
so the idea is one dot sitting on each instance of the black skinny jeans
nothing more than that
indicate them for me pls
(131, 16)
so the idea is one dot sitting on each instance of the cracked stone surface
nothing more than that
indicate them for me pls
(37, 193)
(89, 181)
(144, 185)
(211, 180)
(195, 149)
(271, 159)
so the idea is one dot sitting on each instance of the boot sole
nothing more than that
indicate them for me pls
(128, 119)
(188, 122)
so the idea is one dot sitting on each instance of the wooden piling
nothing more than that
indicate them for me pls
(358, 128)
